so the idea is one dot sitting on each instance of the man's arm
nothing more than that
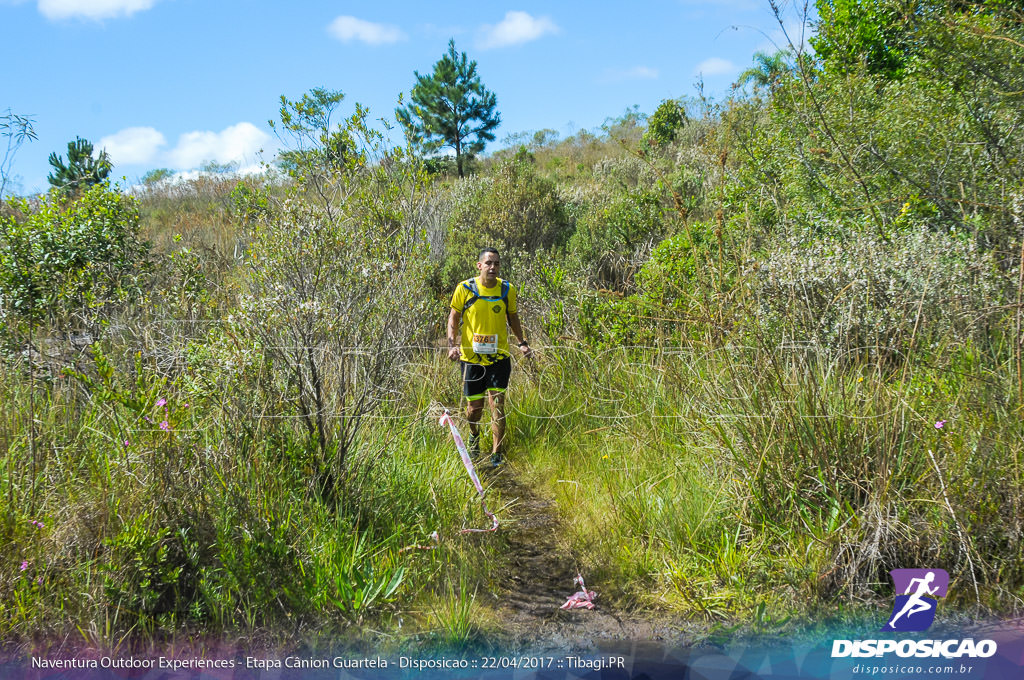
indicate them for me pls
(454, 339)
(517, 329)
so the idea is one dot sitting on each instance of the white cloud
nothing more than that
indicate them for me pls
(236, 144)
(635, 73)
(92, 9)
(516, 28)
(347, 29)
(715, 66)
(133, 145)
(189, 175)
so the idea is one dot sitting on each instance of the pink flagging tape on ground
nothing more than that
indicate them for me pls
(468, 462)
(433, 536)
(584, 599)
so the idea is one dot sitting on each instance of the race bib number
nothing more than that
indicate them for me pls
(485, 344)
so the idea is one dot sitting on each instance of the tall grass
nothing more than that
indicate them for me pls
(764, 481)
(140, 505)
(758, 482)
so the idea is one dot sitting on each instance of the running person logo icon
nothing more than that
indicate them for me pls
(917, 590)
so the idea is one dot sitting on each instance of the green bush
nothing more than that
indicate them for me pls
(71, 256)
(250, 201)
(664, 123)
(516, 211)
(607, 319)
(926, 105)
(140, 574)
(613, 241)
(673, 266)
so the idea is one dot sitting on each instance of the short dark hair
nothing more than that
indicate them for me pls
(488, 249)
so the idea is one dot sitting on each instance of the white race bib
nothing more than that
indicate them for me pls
(485, 344)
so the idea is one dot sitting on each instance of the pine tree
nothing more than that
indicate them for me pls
(451, 108)
(81, 170)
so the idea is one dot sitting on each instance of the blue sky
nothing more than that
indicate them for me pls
(176, 83)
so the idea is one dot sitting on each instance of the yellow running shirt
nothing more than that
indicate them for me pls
(485, 323)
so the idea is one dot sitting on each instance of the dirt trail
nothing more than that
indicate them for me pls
(540, 579)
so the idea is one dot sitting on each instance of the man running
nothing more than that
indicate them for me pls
(486, 307)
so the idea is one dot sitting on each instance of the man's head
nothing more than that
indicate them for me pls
(488, 263)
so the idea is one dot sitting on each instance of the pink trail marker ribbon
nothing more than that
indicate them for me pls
(584, 599)
(468, 462)
(434, 536)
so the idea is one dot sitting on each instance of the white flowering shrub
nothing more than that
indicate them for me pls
(859, 291)
(334, 305)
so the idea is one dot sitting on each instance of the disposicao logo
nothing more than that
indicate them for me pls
(914, 610)
(917, 593)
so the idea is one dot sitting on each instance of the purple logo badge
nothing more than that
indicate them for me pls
(916, 593)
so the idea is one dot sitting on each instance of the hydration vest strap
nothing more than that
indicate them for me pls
(475, 293)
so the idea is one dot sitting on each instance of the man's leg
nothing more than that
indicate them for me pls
(498, 375)
(474, 411)
(474, 388)
(497, 401)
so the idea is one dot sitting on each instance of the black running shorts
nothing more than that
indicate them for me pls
(477, 378)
